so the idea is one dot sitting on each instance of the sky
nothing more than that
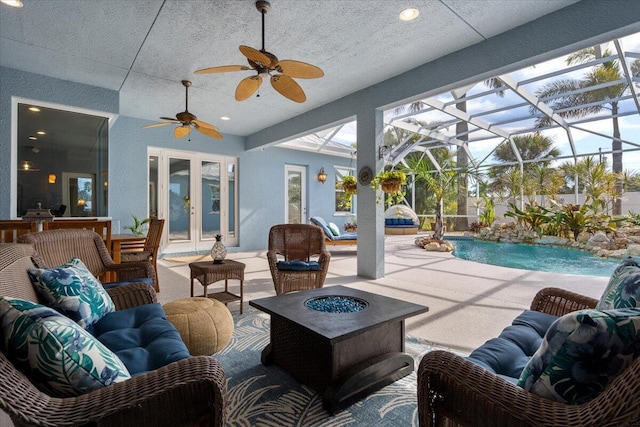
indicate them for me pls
(585, 142)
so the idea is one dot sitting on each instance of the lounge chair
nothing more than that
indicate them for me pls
(332, 235)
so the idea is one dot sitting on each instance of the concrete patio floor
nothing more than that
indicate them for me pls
(468, 302)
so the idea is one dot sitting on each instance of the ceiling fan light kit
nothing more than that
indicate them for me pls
(186, 120)
(267, 65)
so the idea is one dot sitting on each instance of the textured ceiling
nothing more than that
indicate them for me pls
(144, 48)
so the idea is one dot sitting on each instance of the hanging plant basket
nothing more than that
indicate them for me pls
(391, 185)
(350, 188)
(349, 184)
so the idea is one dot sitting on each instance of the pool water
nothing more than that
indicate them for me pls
(535, 257)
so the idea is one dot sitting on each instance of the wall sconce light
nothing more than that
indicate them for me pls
(52, 178)
(322, 176)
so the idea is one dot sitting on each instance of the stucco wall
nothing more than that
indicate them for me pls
(260, 172)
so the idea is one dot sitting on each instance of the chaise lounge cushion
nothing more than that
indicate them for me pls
(60, 357)
(142, 337)
(581, 353)
(623, 289)
(509, 353)
(72, 290)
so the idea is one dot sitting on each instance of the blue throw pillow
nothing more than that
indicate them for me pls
(72, 290)
(60, 357)
(581, 353)
(623, 289)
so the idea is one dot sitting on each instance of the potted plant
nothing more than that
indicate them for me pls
(390, 182)
(350, 184)
(138, 227)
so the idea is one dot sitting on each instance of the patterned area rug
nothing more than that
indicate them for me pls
(269, 397)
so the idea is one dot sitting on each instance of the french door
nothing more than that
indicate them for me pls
(295, 206)
(197, 195)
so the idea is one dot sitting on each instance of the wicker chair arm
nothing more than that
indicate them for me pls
(272, 258)
(559, 302)
(133, 270)
(132, 295)
(192, 389)
(449, 386)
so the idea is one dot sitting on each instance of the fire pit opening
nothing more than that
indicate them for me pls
(336, 304)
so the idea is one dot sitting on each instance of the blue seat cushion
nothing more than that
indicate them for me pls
(141, 337)
(509, 353)
(297, 265)
(110, 285)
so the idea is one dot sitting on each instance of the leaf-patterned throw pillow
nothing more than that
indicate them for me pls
(72, 290)
(623, 289)
(60, 357)
(581, 353)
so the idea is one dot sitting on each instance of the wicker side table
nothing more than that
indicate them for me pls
(207, 273)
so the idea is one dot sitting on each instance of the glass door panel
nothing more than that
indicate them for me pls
(210, 206)
(231, 185)
(179, 199)
(295, 202)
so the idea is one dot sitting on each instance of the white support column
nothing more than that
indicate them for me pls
(370, 214)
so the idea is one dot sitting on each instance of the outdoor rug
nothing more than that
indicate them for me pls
(268, 396)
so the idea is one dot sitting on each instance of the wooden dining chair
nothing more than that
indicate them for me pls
(146, 250)
(11, 229)
(102, 227)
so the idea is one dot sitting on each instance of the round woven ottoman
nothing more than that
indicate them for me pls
(205, 324)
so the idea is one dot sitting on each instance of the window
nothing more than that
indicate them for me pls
(62, 161)
(344, 201)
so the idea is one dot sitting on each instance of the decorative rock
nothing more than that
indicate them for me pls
(599, 237)
(632, 250)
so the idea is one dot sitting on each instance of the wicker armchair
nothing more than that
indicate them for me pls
(191, 390)
(453, 391)
(56, 247)
(297, 242)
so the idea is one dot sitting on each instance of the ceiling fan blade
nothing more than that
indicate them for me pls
(299, 69)
(288, 88)
(204, 124)
(247, 87)
(209, 132)
(173, 119)
(153, 125)
(181, 131)
(255, 55)
(222, 69)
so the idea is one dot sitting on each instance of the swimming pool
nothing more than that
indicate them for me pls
(534, 257)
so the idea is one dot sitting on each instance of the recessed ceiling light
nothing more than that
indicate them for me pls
(409, 14)
(12, 3)
(41, 132)
(225, 118)
(34, 109)
(33, 138)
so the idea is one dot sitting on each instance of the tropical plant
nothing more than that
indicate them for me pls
(437, 182)
(488, 215)
(593, 179)
(533, 217)
(572, 98)
(579, 218)
(138, 227)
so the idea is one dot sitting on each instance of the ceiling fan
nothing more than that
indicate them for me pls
(267, 64)
(186, 120)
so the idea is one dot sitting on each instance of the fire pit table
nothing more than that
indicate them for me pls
(343, 343)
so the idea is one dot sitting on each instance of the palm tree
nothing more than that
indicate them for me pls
(532, 146)
(439, 183)
(568, 98)
(593, 179)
